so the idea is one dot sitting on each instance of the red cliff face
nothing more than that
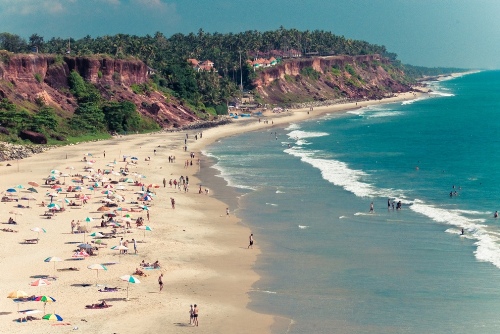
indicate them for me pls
(327, 78)
(27, 79)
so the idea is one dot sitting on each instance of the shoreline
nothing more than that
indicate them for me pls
(204, 253)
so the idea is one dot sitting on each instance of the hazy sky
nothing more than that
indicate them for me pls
(461, 33)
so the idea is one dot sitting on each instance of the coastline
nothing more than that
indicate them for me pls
(204, 253)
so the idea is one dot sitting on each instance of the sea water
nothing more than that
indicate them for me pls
(331, 266)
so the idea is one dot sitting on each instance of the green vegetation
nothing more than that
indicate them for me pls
(310, 73)
(38, 77)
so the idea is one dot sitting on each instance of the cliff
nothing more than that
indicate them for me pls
(29, 79)
(329, 78)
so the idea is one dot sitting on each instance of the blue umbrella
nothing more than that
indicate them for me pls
(11, 190)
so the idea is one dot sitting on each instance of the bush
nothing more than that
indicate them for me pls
(38, 77)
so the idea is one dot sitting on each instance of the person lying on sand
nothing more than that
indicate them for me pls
(102, 304)
(106, 289)
(8, 230)
(139, 272)
(68, 269)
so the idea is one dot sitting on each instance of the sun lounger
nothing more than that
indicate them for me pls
(30, 241)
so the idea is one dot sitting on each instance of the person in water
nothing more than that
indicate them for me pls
(496, 214)
(462, 232)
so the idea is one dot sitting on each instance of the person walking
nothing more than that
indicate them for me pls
(250, 238)
(160, 282)
(164, 182)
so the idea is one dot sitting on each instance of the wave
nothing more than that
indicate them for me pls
(271, 204)
(487, 246)
(292, 126)
(441, 94)
(404, 103)
(303, 227)
(340, 174)
(299, 134)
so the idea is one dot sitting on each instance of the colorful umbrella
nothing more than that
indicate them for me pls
(33, 190)
(44, 300)
(103, 208)
(55, 171)
(19, 186)
(11, 190)
(119, 248)
(34, 184)
(97, 235)
(129, 279)
(52, 317)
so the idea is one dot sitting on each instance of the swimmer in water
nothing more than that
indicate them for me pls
(462, 232)
(496, 214)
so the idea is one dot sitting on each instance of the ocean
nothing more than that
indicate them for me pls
(331, 266)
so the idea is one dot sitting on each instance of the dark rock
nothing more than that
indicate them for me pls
(34, 137)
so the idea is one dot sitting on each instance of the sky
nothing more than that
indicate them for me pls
(449, 33)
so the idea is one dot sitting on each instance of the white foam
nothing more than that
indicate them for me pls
(279, 192)
(303, 227)
(441, 94)
(340, 174)
(342, 217)
(292, 126)
(271, 204)
(299, 134)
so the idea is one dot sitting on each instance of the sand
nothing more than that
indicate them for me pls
(202, 252)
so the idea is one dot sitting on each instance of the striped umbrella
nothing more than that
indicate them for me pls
(45, 300)
(129, 279)
(52, 317)
(97, 267)
(145, 228)
(53, 259)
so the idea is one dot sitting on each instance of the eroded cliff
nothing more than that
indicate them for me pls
(330, 78)
(31, 79)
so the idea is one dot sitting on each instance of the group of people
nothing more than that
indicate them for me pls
(193, 315)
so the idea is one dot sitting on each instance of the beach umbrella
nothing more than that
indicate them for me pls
(33, 190)
(44, 300)
(103, 209)
(52, 194)
(145, 228)
(19, 186)
(107, 192)
(53, 259)
(134, 158)
(119, 248)
(16, 294)
(55, 186)
(38, 230)
(97, 267)
(55, 171)
(144, 207)
(52, 317)
(54, 206)
(11, 190)
(85, 246)
(129, 279)
(33, 184)
(97, 235)
(40, 282)
(108, 186)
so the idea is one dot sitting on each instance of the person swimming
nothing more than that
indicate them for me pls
(462, 232)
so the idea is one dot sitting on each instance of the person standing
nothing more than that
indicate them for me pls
(135, 245)
(160, 282)
(250, 238)
(227, 212)
(164, 182)
(371, 207)
(195, 315)
(191, 314)
(172, 201)
(147, 214)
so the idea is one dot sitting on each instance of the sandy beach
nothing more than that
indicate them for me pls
(201, 250)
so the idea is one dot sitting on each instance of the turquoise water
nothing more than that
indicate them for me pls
(331, 266)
